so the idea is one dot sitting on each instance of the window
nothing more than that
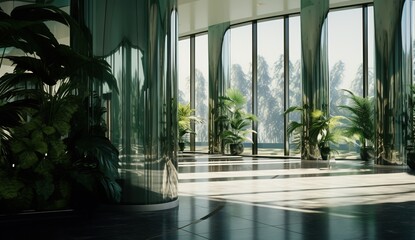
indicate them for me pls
(345, 45)
(241, 64)
(295, 84)
(270, 78)
(184, 71)
(345, 55)
(202, 91)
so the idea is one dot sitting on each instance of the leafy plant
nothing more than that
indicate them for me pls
(93, 156)
(40, 100)
(360, 119)
(235, 122)
(323, 131)
(185, 117)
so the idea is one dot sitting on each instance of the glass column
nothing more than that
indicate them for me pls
(393, 79)
(314, 66)
(139, 40)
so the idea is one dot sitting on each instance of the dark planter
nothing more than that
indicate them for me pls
(367, 153)
(325, 152)
(236, 148)
(181, 146)
(410, 157)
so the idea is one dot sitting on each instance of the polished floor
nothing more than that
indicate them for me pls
(264, 198)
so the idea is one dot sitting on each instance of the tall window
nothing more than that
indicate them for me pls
(241, 64)
(371, 51)
(270, 78)
(345, 55)
(184, 71)
(202, 91)
(295, 84)
(345, 59)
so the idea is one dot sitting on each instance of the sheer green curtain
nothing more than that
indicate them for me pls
(139, 40)
(218, 41)
(393, 78)
(314, 64)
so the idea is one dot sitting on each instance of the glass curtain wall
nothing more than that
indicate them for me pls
(346, 70)
(201, 92)
(270, 89)
(345, 35)
(241, 66)
(199, 102)
(371, 52)
(295, 83)
(183, 84)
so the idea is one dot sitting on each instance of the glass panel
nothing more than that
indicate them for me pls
(371, 51)
(295, 85)
(184, 71)
(345, 61)
(241, 66)
(345, 54)
(202, 91)
(270, 87)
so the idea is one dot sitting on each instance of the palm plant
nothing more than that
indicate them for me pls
(324, 130)
(360, 123)
(234, 121)
(185, 118)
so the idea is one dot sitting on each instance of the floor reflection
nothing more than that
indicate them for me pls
(274, 198)
(257, 198)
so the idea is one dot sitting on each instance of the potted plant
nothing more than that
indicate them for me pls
(360, 123)
(235, 122)
(323, 131)
(185, 118)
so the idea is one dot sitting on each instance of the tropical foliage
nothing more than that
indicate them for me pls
(234, 121)
(47, 133)
(323, 131)
(185, 117)
(359, 119)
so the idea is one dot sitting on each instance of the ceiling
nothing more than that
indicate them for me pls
(196, 15)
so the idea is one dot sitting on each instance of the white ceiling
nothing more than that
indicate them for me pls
(196, 15)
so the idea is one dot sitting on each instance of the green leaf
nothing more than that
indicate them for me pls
(48, 130)
(44, 188)
(27, 159)
(10, 188)
(18, 146)
(112, 189)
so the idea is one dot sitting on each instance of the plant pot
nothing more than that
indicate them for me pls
(181, 146)
(410, 157)
(236, 148)
(325, 153)
(367, 153)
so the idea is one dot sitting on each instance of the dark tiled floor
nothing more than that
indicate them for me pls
(246, 198)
